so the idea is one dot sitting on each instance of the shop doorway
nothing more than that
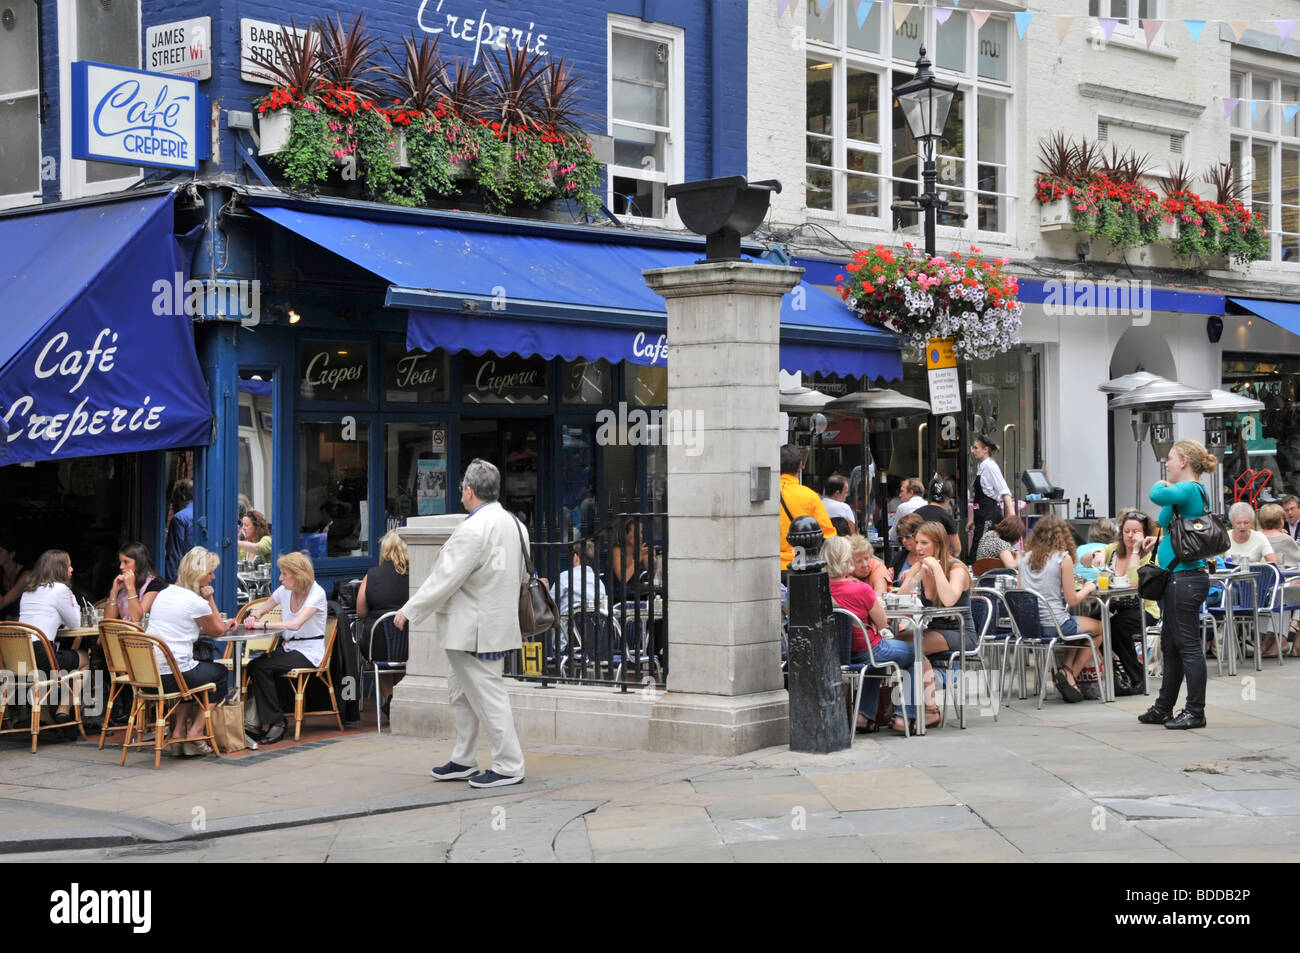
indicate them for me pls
(518, 448)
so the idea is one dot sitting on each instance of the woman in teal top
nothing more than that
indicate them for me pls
(1180, 633)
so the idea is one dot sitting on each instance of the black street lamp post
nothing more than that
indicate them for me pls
(925, 102)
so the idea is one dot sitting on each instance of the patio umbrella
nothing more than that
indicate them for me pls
(803, 400)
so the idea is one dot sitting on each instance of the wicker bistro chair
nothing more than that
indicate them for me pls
(253, 647)
(857, 673)
(30, 663)
(110, 633)
(145, 680)
(1024, 605)
(300, 676)
(398, 644)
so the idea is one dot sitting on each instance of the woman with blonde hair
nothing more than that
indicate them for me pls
(1180, 634)
(860, 599)
(866, 567)
(385, 589)
(303, 615)
(180, 614)
(1048, 569)
(941, 580)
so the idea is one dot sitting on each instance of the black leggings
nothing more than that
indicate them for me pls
(1180, 640)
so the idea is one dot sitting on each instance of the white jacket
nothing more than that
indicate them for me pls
(473, 591)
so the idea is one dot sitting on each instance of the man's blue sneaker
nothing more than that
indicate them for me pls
(451, 771)
(490, 779)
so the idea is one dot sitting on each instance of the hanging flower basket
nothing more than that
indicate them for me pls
(966, 298)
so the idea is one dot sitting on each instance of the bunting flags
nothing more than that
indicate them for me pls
(1288, 113)
(1228, 106)
(1064, 23)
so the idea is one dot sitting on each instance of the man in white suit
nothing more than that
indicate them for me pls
(473, 594)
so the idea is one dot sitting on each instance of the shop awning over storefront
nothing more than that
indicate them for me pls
(530, 294)
(1285, 314)
(96, 351)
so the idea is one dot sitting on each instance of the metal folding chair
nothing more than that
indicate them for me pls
(858, 672)
(1024, 605)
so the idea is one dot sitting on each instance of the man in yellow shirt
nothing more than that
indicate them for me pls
(797, 500)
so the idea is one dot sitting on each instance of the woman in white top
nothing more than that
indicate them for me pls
(1272, 521)
(178, 616)
(46, 603)
(1248, 545)
(304, 612)
(992, 496)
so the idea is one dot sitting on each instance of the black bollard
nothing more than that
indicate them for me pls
(818, 718)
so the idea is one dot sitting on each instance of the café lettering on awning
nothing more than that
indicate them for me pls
(88, 364)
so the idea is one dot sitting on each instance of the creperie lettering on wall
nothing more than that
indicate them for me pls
(59, 358)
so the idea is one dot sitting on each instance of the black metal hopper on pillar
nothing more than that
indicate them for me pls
(723, 210)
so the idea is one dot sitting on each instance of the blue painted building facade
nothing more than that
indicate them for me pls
(345, 462)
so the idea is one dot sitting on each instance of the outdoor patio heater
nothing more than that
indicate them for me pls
(1138, 419)
(1217, 409)
(881, 413)
(1157, 401)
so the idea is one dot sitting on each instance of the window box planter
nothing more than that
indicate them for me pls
(398, 150)
(273, 131)
(1056, 216)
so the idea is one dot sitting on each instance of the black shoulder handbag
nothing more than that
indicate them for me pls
(1198, 537)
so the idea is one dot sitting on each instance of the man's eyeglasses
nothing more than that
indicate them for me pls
(908, 536)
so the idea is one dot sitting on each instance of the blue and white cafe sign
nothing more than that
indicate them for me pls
(137, 118)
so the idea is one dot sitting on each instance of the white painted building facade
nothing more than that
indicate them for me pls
(841, 169)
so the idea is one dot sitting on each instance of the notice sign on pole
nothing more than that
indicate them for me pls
(183, 48)
(941, 371)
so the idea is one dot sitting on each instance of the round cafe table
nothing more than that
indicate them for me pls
(1108, 677)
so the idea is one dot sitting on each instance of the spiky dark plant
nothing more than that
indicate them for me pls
(515, 82)
(348, 55)
(1228, 186)
(1179, 179)
(1087, 158)
(466, 89)
(558, 98)
(1057, 156)
(297, 66)
(421, 76)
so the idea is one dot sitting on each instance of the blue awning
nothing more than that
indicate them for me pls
(95, 357)
(1285, 314)
(529, 294)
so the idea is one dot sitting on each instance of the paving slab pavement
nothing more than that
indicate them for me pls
(1071, 783)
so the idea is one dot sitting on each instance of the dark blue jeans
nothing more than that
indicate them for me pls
(1180, 640)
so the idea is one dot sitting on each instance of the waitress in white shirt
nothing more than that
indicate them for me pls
(46, 603)
(178, 616)
(992, 496)
(304, 613)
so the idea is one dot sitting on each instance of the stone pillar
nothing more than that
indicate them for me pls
(420, 702)
(725, 693)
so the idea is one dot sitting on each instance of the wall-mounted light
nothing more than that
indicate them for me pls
(294, 316)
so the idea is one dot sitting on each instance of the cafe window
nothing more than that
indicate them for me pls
(415, 377)
(20, 114)
(415, 467)
(505, 380)
(103, 31)
(586, 382)
(1267, 440)
(646, 386)
(334, 508)
(334, 371)
(859, 154)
